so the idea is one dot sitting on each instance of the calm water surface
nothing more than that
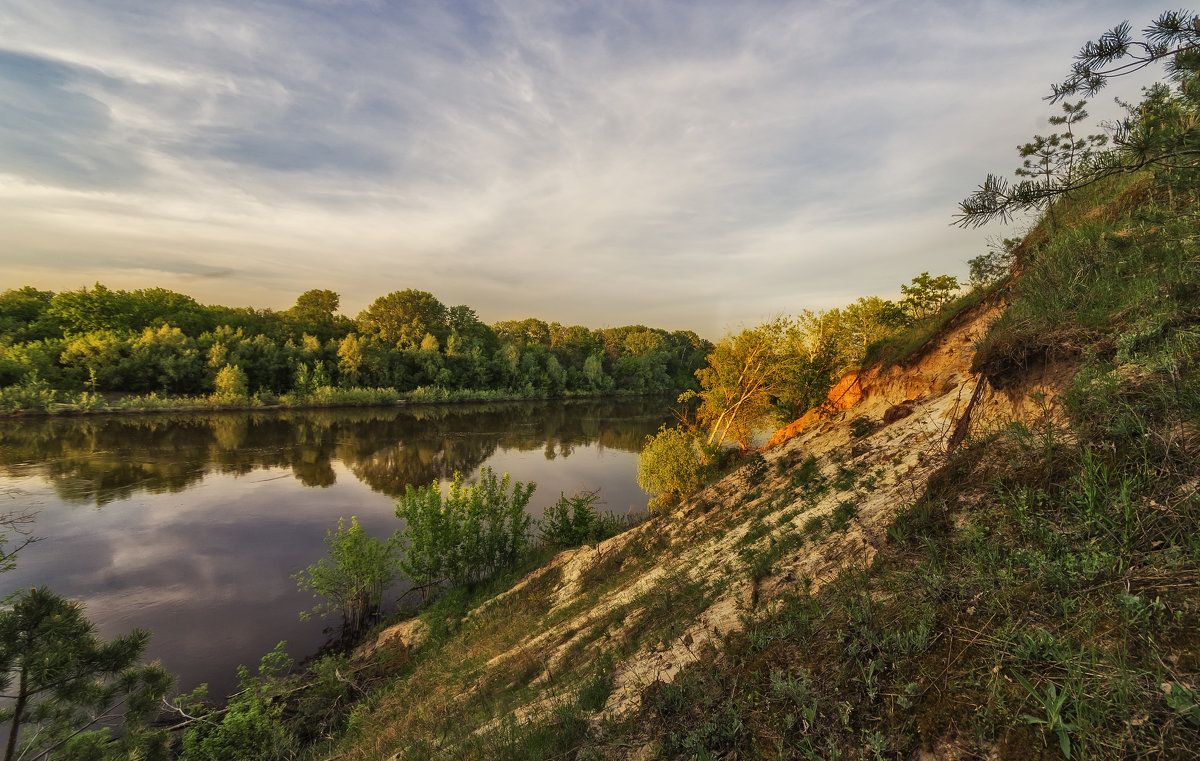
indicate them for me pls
(190, 526)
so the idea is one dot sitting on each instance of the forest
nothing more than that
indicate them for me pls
(98, 348)
(68, 347)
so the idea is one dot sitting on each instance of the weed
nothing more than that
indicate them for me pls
(861, 427)
(807, 474)
(1053, 720)
(839, 519)
(813, 525)
(795, 688)
(594, 690)
(845, 478)
(755, 468)
(1182, 701)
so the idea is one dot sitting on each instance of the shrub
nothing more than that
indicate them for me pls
(230, 385)
(33, 394)
(573, 521)
(471, 533)
(570, 521)
(670, 465)
(252, 725)
(359, 569)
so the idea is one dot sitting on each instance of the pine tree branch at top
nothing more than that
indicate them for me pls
(1173, 37)
(1157, 134)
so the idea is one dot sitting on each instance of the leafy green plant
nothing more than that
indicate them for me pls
(33, 394)
(571, 521)
(670, 465)
(1182, 701)
(795, 688)
(813, 525)
(839, 519)
(471, 533)
(352, 579)
(598, 685)
(250, 726)
(755, 468)
(861, 426)
(1052, 706)
(66, 681)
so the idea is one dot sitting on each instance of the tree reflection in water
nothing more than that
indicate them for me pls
(187, 547)
(102, 459)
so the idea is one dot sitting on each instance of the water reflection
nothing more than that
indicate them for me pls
(191, 525)
(99, 460)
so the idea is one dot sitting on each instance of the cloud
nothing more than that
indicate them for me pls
(598, 162)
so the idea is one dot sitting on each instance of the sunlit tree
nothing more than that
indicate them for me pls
(403, 318)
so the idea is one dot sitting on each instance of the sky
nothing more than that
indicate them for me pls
(696, 165)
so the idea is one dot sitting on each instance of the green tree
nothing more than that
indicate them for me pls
(23, 315)
(818, 348)
(994, 265)
(528, 332)
(65, 681)
(315, 313)
(403, 318)
(746, 374)
(926, 295)
(154, 307)
(593, 371)
(469, 331)
(100, 308)
(97, 359)
(316, 305)
(1054, 161)
(867, 320)
(352, 579)
(163, 360)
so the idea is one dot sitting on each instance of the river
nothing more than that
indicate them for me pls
(191, 525)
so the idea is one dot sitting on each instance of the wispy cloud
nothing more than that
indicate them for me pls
(687, 164)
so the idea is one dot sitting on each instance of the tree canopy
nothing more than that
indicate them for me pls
(404, 318)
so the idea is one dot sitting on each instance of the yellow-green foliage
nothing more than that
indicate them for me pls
(230, 385)
(670, 465)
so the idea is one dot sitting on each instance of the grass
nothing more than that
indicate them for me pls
(1039, 599)
(35, 396)
(1053, 566)
(908, 345)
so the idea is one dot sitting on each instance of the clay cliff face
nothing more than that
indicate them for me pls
(942, 367)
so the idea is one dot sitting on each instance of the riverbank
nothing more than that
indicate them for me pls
(55, 403)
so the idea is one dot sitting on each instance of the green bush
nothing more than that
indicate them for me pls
(230, 385)
(359, 569)
(569, 522)
(670, 466)
(572, 521)
(252, 725)
(34, 394)
(468, 535)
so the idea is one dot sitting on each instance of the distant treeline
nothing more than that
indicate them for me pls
(157, 341)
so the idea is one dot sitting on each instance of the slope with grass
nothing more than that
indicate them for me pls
(991, 554)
